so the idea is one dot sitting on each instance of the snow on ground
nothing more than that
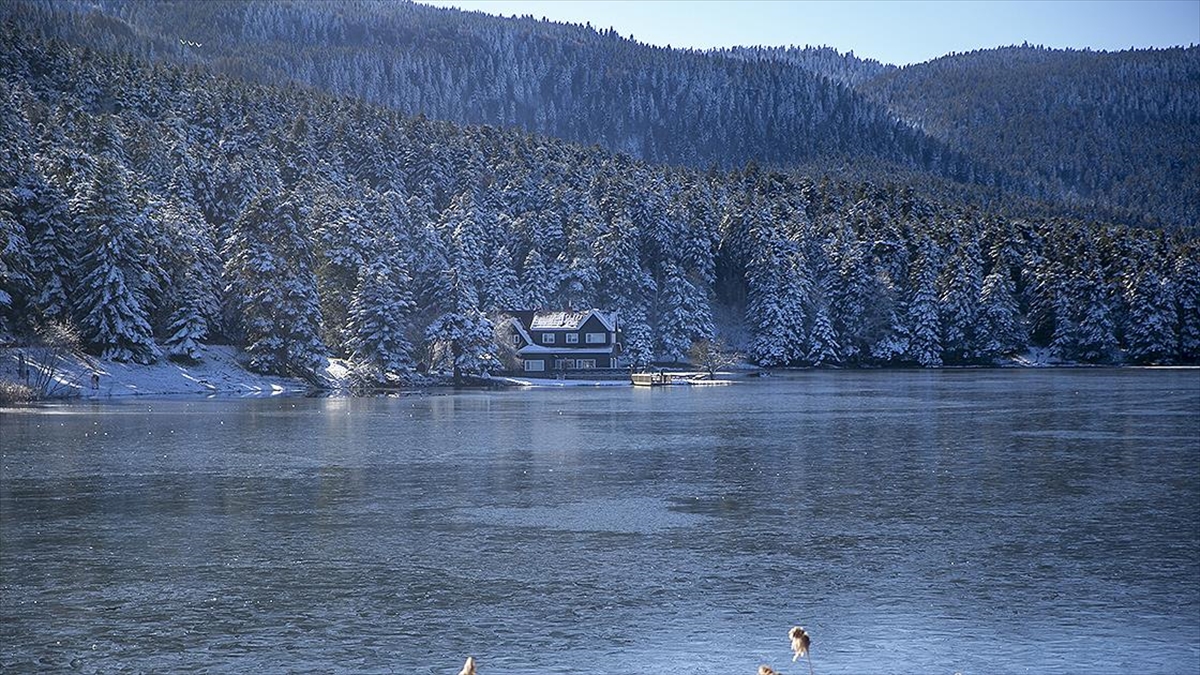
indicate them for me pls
(550, 382)
(218, 372)
(1036, 357)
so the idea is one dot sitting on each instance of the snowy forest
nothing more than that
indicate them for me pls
(156, 204)
(1111, 136)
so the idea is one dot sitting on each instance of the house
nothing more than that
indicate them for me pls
(552, 343)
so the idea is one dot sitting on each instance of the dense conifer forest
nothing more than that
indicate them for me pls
(158, 199)
(1108, 136)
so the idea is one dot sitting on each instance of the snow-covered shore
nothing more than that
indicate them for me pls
(217, 373)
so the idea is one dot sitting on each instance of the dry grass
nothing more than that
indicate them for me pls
(15, 392)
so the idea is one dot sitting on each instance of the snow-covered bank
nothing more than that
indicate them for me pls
(551, 382)
(217, 373)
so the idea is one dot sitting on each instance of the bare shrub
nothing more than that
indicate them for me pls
(46, 374)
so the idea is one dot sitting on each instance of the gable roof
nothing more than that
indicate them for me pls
(569, 320)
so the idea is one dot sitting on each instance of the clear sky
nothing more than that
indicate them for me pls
(892, 31)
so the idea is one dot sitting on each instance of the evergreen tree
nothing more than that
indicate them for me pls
(958, 302)
(1096, 341)
(534, 281)
(54, 250)
(501, 290)
(15, 281)
(113, 305)
(1151, 333)
(1000, 315)
(461, 338)
(270, 280)
(1186, 273)
(683, 314)
(193, 281)
(925, 345)
(378, 321)
(778, 291)
(823, 347)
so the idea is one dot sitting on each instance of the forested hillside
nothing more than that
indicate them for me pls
(1107, 136)
(1118, 129)
(156, 206)
(568, 81)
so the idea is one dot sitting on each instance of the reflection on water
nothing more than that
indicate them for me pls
(980, 522)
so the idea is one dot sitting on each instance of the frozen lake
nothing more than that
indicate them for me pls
(1008, 521)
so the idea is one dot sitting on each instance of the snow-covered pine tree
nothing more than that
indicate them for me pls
(339, 224)
(683, 315)
(112, 303)
(823, 348)
(1096, 341)
(778, 293)
(461, 338)
(187, 326)
(1186, 274)
(379, 312)
(625, 286)
(501, 290)
(958, 301)
(193, 267)
(850, 295)
(15, 280)
(924, 320)
(1001, 325)
(534, 281)
(53, 251)
(270, 280)
(1150, 334)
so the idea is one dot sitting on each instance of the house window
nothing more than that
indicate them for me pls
(516, 340)
(547, 338)
(585, 364)
(572, 338)
(595, 338)
(535, 366)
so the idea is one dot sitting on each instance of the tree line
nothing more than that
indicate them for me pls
(157, 207)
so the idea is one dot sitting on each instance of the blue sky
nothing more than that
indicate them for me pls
(892, 31)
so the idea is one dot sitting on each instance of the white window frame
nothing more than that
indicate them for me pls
(585, 364)
(572, 338)
(535, 366)
(596, 338)
(547, 338)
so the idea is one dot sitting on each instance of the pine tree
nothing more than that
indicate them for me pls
(461, 338)
(501, 290)
(778, 292)
(188, 325)
(958, 301)
(925, 345)
(626, 287)
(534, 281)
(271, 282)
(823, 347)
(378, 322)
(15, 280)
(113, 305)
(1000, 320)
(684, 317)
(1096, 341)
(53, 251)
(1151, 332)
(1186, 273)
